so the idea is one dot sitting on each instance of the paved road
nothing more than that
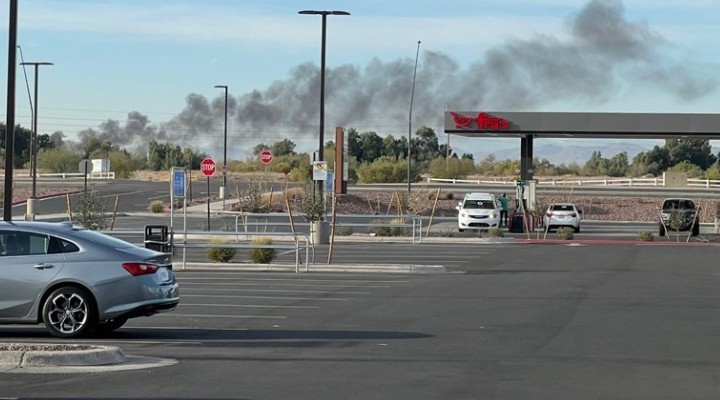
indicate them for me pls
(508, 322)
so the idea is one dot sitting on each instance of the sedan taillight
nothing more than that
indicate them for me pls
(137, 269)
(549, 214)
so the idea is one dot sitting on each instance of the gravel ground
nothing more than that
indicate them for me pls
(599, 208)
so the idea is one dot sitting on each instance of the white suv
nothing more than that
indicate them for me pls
(478, 211)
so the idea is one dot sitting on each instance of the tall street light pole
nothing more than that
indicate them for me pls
(32, 201)
(322, 83)
(412, 95)
(224, 170)
(10, 114)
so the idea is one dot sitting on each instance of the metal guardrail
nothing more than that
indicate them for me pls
(611, 182)
(243, 220)
(65, 175)
(189, 237)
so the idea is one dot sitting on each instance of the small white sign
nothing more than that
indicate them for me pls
(320, 170)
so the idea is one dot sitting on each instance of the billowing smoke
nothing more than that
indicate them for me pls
(602, 52)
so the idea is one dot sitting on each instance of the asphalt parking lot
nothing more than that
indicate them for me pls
(515, 322)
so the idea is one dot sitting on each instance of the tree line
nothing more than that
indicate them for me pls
(371, 157)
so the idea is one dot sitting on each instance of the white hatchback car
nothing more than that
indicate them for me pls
(478, 211)
(562, 215)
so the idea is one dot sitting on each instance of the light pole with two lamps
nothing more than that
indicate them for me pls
(224, 170)
(32, 202)
(322, 84)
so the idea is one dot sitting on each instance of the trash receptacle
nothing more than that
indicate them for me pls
(517, 223)
(157, 238)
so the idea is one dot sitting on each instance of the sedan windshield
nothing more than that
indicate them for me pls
(485, 204)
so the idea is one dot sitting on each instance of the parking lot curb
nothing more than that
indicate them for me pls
(63, 357)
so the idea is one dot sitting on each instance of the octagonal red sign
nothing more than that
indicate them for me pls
(207, 166)
(266, 156)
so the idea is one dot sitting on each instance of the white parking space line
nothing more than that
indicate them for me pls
(283, 291)
(243, 306)
(222, 316)
(226, 278)
(185, 295)
(298, 284)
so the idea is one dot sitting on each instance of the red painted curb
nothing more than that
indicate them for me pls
(615, 241)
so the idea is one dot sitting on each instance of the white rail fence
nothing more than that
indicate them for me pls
(610, 182)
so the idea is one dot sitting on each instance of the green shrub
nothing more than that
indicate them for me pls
(344, 230)
(221, 254)
(387, 228)
(495, 233)
(565, 233)
(262, 255)
(90, 211)
(157, 206)
(645, 236)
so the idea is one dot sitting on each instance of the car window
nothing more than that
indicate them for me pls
(17, 243)
(57, 245)
(678, 204)
(486, 204)
(563, 207)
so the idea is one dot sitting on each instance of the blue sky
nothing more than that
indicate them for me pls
(116, 56)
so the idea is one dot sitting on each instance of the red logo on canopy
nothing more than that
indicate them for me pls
(483, 120)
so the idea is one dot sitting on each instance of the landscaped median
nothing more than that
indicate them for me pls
(20, 355)
(69, 358)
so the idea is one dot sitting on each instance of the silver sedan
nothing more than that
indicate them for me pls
(77, 281)
(562, 215)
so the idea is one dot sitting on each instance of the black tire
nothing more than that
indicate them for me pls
(661, 229)
(461, 230)
(577, 230)
(696, 228)
(110, 325)
(69, 312)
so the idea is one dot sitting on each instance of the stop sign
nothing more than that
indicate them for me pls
(266, 156)
(207, 166)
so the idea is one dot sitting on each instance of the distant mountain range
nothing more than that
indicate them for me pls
(566, 153)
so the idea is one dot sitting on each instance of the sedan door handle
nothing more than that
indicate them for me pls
(43, 266)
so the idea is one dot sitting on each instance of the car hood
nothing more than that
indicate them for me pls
(478, 211)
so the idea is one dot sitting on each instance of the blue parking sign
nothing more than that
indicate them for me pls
(178, 179)
(330, 182)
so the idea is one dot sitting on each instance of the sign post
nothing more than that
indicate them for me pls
(207, 167)
(86, 167)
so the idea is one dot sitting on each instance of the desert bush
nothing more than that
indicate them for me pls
(221, 254)
(262, 255)
(90, 211)
(495, 233)
(387, 228)
(565, 233)
(251, 199)
(344, 230)
(156, 206)
(645, 236)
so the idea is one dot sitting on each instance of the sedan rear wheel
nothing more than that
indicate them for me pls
(69, 312)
